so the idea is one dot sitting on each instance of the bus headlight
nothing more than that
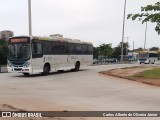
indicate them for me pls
(27, 64)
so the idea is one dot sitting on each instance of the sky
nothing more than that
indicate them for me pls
(95, 21)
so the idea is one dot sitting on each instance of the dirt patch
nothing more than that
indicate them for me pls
(6, 107)
(130, 72)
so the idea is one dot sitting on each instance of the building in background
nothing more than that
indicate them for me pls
(133, 55)
(4, 35)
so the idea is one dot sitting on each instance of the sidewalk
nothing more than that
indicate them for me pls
(3, 70)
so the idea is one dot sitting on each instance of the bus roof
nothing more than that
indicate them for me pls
(143, 52)
(56, 38)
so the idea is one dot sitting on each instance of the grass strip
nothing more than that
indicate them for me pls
(153, 73)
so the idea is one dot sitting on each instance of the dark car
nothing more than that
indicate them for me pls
(111, 60)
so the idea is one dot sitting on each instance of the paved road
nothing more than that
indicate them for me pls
(83, 90)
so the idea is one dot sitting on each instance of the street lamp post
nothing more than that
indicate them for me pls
(29, 18)
(123, 32)
(145, 37)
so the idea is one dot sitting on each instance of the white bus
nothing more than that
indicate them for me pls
(148, 57)
(29, 55)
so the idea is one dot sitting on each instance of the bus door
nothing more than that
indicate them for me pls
(37, 56)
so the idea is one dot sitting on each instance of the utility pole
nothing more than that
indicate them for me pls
(127, 45)
(133, 51)
(133, 45)
(145, 37)
(29, 17)
(123, 32)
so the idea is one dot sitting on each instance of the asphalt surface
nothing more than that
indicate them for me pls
(86, 90)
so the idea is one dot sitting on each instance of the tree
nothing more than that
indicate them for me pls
(117, 50)
(95, 52)
(154, 49)
(149, 13)
(105, 49)
(139, 49)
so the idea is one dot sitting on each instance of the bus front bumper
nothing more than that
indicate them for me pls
(20, 69)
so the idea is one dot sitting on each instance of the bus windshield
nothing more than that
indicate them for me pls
(143, 56)
(18, 51)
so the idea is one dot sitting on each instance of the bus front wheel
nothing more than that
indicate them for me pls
(46, 69)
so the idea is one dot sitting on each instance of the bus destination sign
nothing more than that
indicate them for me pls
(16, 40)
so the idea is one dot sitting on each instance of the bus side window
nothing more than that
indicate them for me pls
(90, 49)
(71, 48)
(37, 51)
(64, 48)
(78, 48)
(39, 48)
(47, 48)
(84, 49)
(55, 48)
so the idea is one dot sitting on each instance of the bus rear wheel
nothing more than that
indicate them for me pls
(46, 69)
(26, 74)
(77, 66)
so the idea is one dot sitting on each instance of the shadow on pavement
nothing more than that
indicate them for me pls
(52, 73)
